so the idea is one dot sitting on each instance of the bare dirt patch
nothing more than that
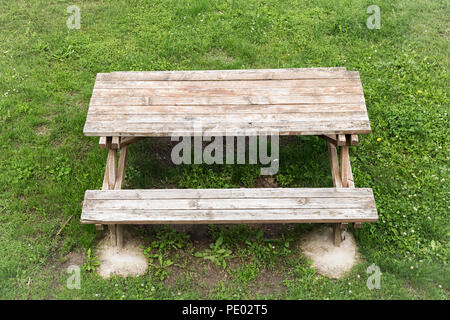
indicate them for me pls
(318, 246)
(126, 261)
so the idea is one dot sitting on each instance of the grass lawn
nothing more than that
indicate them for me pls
(47, 74)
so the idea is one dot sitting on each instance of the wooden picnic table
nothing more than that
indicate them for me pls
(128, 106)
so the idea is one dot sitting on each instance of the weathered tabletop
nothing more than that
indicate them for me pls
(318, 101)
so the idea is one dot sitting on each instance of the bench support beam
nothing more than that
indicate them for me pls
(113, 180)
(342, 178)
(334, 162)
(129, 140)
(330, 138)
(341, 139)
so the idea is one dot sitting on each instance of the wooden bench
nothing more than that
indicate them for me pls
(128, 106)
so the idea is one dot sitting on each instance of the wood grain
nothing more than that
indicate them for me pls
(334, 163)
(247, 74)
(239, 193)
(345, 162)
(242, 205)
(293, 101)
(102, 142)
(151, 128)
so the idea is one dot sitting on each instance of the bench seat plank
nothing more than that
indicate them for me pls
(271, 205)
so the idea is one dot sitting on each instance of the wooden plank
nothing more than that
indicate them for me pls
(102, 142)
(350, 181)
(120, 176)
(225, 100)
(120, 235)
(230, 118)
(99, 227)
(237, 193)
(337, 234)
(331, 138)
(226, 131)
(351, 140)
(334, 163)
(229, 204)
(345, 161)
(343, 82)
(341, 141)
(113, 234)
(148, 129)
(121, 168)
(111, 168)
(217, 91)
(226, 109)
(111, 165)
(115, 142)
(105, 186)
(174, 206)
(129, 140)
(229, 216)
(354, 139)
(256, 74)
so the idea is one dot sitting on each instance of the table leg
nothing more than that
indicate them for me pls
(111, 170)
(119, 229)
(113, 179)
(342, 178)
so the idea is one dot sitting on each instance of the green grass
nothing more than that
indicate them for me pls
(46, 77)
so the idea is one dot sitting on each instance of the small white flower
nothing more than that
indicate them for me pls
(412, 267)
